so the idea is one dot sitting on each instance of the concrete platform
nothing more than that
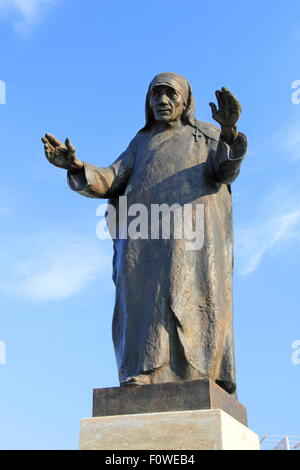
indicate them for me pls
(177, 430)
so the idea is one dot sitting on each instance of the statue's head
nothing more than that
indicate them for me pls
(169, 98)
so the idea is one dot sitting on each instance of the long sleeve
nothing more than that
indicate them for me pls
(106, 182)
(225, 160)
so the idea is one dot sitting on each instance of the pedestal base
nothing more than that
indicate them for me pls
(175, 430)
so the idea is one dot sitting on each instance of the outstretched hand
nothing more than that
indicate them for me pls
(227, 113)
(61, 155)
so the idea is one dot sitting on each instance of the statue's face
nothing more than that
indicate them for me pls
(166, 103)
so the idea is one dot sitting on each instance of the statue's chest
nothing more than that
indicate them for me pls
(168, 170)
(161, 157)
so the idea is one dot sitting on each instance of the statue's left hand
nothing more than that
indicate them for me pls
(227, 113)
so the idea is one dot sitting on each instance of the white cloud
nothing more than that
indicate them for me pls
(276, 226)
(55, 269)
(254, 242)
(292, 141)
(295, 36)
(288, 141)
(24, 13)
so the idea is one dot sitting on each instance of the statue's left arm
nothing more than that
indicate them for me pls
(227, 158)
(232, 145)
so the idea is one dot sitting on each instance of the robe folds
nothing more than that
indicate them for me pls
(173, 306)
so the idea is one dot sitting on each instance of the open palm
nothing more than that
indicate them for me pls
(61, 155)
(229, 109)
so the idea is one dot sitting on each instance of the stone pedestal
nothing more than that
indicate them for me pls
(177, 430)
(186, 415)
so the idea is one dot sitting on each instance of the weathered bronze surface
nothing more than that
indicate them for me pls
(173, 309)
(172, 396)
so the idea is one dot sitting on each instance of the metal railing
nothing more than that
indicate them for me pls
(279, 442)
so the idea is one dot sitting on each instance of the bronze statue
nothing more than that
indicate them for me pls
(173, 310)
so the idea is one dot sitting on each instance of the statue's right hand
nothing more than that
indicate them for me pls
(61, 155)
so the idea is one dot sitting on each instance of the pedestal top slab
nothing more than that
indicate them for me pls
(172, 396)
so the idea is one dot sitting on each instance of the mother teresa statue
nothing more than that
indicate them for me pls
(173, 309)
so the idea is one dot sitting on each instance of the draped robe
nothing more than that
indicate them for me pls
(173, 306)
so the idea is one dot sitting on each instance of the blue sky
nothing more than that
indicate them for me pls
(81, 69)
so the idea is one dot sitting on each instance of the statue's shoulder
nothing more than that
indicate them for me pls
(209, 130)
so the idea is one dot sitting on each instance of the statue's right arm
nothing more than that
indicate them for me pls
(87, 179)
(103, 182)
